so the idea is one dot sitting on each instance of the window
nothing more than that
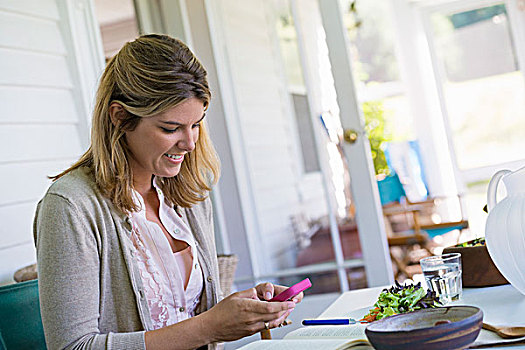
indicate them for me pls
(483, 88)
(296, 88)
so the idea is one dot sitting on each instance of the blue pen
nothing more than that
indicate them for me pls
(326, 322)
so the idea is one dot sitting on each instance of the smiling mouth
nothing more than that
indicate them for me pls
(174, 156)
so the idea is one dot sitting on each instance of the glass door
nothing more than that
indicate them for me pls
(333, 262)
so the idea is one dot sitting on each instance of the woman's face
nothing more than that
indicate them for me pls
(159, 144)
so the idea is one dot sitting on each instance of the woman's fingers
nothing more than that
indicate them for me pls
(298, 298)
(273, 322)
(248, 294)
(278, 322)
(261, 311)
(243, 313)
(257, 311)
(265, 291)
(279, 289)
(251, 303)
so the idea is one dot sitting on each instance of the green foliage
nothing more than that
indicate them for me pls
(373, 112)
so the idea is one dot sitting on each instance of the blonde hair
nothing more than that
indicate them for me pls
(146, 77)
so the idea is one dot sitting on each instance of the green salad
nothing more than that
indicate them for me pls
(474, 243)
(401, 299)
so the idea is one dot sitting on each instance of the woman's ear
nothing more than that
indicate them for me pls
(117, 113)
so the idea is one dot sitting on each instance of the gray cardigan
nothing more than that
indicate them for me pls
(91, 293)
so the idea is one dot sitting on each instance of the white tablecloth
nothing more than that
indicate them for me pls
(501, 305)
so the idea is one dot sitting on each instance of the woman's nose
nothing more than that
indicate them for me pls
(187, 143)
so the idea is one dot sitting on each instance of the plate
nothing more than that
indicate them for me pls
(359, 313)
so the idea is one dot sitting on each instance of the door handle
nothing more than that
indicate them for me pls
(350, 136)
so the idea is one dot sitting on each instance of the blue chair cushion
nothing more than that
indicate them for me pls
(20, 320)
(441, 231)
(390, 189)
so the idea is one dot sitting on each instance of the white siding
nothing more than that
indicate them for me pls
(39, 120)
(265, 126)
(48, 105)
(46, 9)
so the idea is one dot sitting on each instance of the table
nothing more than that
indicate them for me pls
(501, 305)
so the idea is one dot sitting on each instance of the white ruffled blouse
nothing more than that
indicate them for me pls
(173, 282)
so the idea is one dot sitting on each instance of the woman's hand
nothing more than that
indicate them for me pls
(242, 314)
(266, 291)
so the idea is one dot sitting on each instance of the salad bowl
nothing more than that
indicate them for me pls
(478, 268)
(452, 327)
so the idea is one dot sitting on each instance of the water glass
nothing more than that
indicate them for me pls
(443, 276)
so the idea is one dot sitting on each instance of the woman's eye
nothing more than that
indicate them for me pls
(169, 131)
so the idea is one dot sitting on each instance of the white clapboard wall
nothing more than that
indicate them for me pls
(42, 117)
(266, 125)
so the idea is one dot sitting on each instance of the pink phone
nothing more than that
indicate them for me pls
(289, 293)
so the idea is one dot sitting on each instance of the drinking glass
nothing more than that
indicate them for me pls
(443, 276)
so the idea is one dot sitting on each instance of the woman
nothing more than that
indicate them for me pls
(125, 245)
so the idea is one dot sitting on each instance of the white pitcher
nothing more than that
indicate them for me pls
(505, 228)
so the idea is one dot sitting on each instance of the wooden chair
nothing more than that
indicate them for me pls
(408, 223)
